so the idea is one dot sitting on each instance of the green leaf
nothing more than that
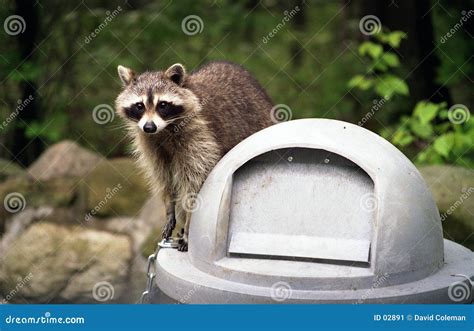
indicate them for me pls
(422, 157)
(26, 72)
(443, 114)
(32, 130)
(462, 142)
(422, 130)
(388, 85)
(443, 144)
(379, 65)
(425, 112)
(429, 156)
(406, 140)
(370, 48)
(443, 127)
(360, 82)
(390, 59)
(392, 38)
(402, 138)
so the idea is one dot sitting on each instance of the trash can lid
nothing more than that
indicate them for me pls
(319, 204)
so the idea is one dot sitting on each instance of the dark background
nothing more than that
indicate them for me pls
(307, 65)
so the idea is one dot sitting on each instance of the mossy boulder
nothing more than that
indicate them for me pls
(153, 214)
(150, 243)
(10, 169)
(453, 191)
(17, 193)
(53, 263)
(64, 159)
(114, 188)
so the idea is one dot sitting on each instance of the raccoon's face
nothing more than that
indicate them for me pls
(153, 100)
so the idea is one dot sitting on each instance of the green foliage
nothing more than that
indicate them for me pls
(74, 76)
(389, 85)
(393, 38)
(427, 134)
(440, 139)
(307, 67)
(49, 131)
(378, 74)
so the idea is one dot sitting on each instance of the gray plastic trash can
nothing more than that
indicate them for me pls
(315, 211)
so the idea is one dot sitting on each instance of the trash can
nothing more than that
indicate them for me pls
(315, 211)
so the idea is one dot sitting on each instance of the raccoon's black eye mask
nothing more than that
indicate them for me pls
(135, 111)
(167, 110)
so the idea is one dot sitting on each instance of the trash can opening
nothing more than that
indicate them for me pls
(301, 204)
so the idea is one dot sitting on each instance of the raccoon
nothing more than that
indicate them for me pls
(181, 125)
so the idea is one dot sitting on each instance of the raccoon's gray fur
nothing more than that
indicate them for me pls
(186, 123)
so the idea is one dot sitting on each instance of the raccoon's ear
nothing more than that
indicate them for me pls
(126, 75)
(176, 73)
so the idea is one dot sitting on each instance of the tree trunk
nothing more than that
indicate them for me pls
(26, 150)
(299, 22)
(417, 52)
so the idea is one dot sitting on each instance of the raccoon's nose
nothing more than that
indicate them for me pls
(149, 127)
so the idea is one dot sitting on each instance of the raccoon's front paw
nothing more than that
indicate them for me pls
(167, 230)
(183, 245)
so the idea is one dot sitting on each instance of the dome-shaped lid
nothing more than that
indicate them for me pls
(316, 199)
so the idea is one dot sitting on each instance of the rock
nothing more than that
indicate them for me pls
(144, 230)
(9, 169)
(135, 228)
(150, 243)
(453, 191)
(153, 214)
(17, 193)
(115, 188)
(65, 158)
(153, 211)
(55, 263)
(137, 282)
(20, 222)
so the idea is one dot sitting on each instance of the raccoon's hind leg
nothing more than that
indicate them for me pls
(171, 219)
